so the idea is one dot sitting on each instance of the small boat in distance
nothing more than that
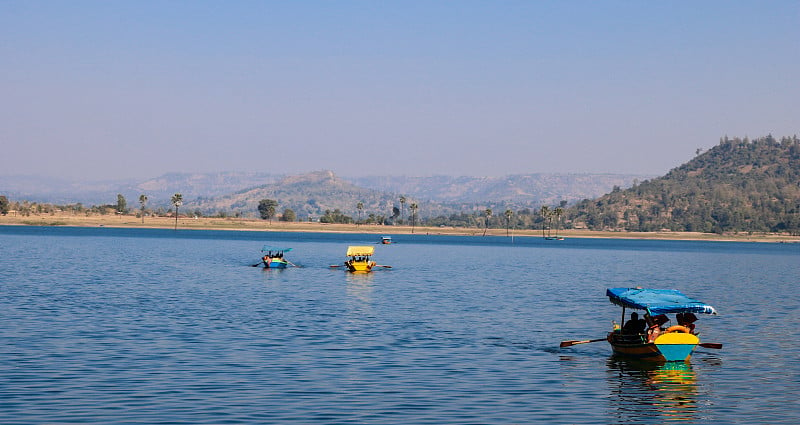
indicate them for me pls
(273, 257)
(360, 259)
(651, 338)
(386, 240)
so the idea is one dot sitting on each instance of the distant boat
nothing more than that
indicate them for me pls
(386, 240)
(360, 259)
(273, 257)
(554, 238)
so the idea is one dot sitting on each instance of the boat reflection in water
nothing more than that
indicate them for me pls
(647, 392)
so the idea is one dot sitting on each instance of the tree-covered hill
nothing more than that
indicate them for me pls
(739, 185)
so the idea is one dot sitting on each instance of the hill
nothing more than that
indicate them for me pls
(739, 185)
(310, 195)
(158, 189)
(522, 190)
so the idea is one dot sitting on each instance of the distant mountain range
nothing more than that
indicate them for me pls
(313, 193)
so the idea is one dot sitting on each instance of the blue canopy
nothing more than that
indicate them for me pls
(267, 248)
(657, 301)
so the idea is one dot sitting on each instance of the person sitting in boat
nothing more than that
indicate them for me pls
(654, 325)
(635, 325)
(686, 320)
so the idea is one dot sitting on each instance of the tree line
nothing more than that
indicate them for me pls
(740, 185)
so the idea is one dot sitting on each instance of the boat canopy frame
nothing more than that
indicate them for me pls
(657, 301)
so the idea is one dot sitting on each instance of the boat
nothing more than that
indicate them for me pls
(359, 261)
(386, 240)
(554, 238)
(273, 257)
(656, 340)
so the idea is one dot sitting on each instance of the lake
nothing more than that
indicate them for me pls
(105, 325)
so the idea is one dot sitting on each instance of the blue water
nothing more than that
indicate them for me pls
(104, 325)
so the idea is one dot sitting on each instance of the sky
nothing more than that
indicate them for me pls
(97, 90)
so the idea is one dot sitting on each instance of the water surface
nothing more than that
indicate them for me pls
(106, 325)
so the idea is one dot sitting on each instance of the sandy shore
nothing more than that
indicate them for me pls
(207, 223)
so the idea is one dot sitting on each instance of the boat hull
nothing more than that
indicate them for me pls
(275, 263)
(670, 347)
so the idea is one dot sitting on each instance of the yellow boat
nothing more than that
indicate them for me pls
(359, 261)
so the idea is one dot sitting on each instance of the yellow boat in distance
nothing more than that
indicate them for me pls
(359, 261)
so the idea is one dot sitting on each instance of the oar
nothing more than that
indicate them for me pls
(575, 342)
(257, 264)
(386, 267)
(714, 345)
(334, 265)
(293, 264)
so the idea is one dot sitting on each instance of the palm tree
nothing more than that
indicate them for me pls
(488, 213)
(413, 208)
(142, 202)
(508, 215)
(558, 212)
(177, 200)
(360, 207)
(402, 204)
(545, 212)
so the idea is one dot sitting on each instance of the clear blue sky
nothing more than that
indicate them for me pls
(107, 89)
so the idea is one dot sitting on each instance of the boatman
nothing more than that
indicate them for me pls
(635, 325)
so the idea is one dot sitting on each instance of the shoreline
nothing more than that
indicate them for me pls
(246, 224)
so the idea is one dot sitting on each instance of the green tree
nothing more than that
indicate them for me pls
(558, 212)
(545, 212)
(413, 208)
(266, 207)
(177, 200)
(402, 204)
(142, 203)
(122, 205)
(360, 207)
(488, 214)
(508, 215)
(4, 205)
(288, 215)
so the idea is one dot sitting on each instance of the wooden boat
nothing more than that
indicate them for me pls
(359, 261)
(273, 257)
(386, 240)
(655, 340)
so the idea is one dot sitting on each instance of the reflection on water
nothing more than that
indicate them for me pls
(359, 292)
(642, 391)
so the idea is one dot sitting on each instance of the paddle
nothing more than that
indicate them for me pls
(257, 264)
(334, 265)
(574, 342)
(714, 345)
(293, 264)
(386, 267)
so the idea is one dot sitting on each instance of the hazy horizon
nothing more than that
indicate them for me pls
(98, 90)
